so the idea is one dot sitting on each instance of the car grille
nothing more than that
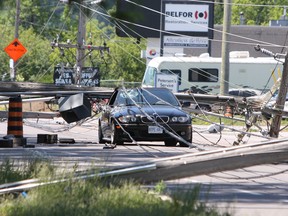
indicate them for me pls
(160, 119)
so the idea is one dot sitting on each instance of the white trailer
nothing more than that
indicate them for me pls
(203, 74)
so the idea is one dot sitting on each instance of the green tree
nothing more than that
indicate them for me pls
(7, 31)
(256, 12)
(125, 63)
(122, 63)
(218, 12)
(277, 12)
(33, 63)
(34, 14)
(254, 15)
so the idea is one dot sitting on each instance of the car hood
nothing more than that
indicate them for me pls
(159, 109)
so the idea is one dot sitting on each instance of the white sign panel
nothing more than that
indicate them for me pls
(175, 41)
(186, 17)
(167, 81)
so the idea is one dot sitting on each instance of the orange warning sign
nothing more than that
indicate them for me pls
(15, 49)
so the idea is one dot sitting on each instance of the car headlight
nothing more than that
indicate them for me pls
(180, 119)
(174, 119)
(183, 119)
(126, 119)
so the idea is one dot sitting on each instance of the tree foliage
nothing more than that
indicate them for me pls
(45, 20)
(42, 22)
(33, 63)
(255, 12)
(218, 11)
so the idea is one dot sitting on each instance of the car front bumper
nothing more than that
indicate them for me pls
(139, 132)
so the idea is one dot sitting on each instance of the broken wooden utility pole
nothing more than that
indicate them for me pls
(280, 101)
(281, 97)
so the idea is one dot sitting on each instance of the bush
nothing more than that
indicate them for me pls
(94, 197)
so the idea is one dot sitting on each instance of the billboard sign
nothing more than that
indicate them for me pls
(186, 17)
(142, 18)
(66, 76)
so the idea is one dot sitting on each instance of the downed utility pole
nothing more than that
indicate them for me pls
(281, 98)
(176, 167)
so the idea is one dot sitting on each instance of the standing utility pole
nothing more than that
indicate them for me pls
(224, 81)
(80, 56)
(16, 35)
(81, 46)
(17, 19)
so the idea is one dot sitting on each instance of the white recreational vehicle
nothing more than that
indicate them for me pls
(202, 74)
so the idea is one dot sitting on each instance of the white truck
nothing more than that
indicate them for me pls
(203, 74)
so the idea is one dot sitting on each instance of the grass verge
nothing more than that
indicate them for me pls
(94, 197)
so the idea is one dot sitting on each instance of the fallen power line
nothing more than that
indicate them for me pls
(194, 164)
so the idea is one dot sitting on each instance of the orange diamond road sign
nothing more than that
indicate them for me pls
(15, 49)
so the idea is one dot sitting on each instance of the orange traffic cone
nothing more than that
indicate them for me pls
(15, 117)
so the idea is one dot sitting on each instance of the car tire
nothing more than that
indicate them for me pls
(115, 136)
(170, 142)
(100, 134)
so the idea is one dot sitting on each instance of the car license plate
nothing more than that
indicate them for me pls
(154, 130)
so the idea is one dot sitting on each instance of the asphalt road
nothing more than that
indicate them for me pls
(257, 190)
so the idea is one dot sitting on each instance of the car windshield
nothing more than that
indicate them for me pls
(151, 96)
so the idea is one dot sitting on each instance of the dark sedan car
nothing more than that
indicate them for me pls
(144, 114)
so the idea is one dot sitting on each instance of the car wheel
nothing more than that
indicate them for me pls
(170, 142)
(100, 134)
(115, 136)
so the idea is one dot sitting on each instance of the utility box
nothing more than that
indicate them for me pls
(74, 108)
